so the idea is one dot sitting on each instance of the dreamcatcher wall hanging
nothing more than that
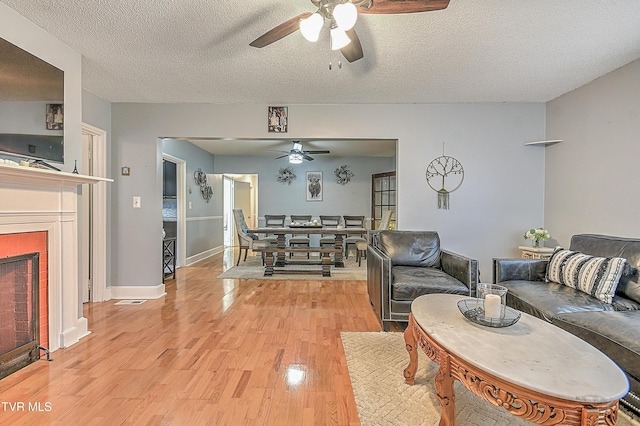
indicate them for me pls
(444, 175)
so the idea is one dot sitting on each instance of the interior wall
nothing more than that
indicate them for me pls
(353, 198)
(97, 112)
(25, 117)
(591, 176)
(204, 219)
(502, 194)
(23, 33)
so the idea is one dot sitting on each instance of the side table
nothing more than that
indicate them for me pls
(168, 257)
(536, 252)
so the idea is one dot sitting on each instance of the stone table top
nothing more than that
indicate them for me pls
(531, 353)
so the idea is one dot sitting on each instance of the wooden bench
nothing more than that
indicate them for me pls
(324, 256)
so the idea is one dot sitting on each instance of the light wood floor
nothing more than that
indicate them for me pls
(219, 352)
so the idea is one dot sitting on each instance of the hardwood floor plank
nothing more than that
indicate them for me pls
(212, 351)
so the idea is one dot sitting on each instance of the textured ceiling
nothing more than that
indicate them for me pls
(197, 51)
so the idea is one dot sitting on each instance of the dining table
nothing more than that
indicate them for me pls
(282, 232)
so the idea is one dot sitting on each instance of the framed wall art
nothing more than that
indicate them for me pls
(314, 186)
(278, 118)
(55, 117)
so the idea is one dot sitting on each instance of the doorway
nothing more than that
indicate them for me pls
(93, 217)
(240, 192)
(86, 249)
(178, 202)
(383, 197)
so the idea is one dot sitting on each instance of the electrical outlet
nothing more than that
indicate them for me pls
(190, 205)
(137, 202)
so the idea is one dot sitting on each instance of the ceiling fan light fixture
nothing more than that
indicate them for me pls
(310, 27)
(345, 15)
(339, 38)
(295, 158)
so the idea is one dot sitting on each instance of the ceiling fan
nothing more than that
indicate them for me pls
(342, 15)
(297, 154)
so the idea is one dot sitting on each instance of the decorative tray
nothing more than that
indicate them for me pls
(306, 226)
(473, 309)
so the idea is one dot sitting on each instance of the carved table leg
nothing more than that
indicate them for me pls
(338, 262)
(268, 262)
(410, 342)
(281, 243)
(444, 391)
(326, 265)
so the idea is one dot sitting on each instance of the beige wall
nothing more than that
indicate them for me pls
(592, 183)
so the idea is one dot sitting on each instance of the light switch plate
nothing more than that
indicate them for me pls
(137, 202)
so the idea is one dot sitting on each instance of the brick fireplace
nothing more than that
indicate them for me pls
(23, 314)
(38, 214)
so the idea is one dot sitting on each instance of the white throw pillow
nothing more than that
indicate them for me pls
(597, 276)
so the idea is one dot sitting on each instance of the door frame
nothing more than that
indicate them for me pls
(99, 214)
(181, 214)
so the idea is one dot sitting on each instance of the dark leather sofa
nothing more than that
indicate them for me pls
(613, 328)
(402, 265)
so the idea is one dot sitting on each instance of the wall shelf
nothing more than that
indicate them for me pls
(543, 143)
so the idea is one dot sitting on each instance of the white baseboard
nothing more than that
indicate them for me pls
(106, 295)
(137, 292)
(71, 336)
(204, 255)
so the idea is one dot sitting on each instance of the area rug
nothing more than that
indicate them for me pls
(376, 362)
(253, 269)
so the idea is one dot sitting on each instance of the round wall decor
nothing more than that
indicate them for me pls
(444, 175)
(285, 175)
(343, 175)
(200, 178)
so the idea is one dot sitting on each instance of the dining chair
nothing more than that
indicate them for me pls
(273, 221)
(246, 240)
(331, 221)
(361, 244)
(352, 222)
(302, 240)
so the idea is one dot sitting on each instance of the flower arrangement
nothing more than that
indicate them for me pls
(536, 235)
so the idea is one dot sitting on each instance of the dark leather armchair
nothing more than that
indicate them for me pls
(402, 265)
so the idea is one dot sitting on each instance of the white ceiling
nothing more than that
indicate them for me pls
(197, 51)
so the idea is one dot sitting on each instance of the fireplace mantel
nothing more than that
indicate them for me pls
(47, 200)
(45, 176)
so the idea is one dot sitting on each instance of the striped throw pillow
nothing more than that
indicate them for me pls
(597, 276)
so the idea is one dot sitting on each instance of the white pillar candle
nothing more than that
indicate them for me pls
(492, 306)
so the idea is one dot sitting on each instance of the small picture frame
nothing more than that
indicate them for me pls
(126, 171)
(314, 186)
(55, 117)
(278, 119)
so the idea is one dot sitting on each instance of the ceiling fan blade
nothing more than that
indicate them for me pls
(281, 31)
(282, 156)
(352, 51)
(403, 6)
(306, 157)
(317, 152)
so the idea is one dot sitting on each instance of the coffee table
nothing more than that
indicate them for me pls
(532, 369)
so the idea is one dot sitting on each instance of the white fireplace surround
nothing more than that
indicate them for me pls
(46, 200)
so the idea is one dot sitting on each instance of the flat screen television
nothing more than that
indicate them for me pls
(31, 106)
